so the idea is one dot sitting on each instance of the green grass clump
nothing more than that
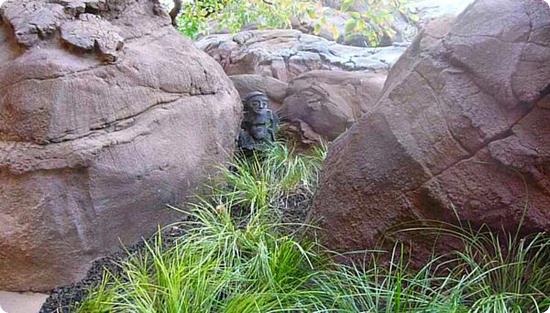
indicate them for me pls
(221, 265)
(237, 256)
(510, 276)
(257, 181)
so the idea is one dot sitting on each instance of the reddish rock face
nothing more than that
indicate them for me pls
(329, 102)
(107, 114)
(462, 123)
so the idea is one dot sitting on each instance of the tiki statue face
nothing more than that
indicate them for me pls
(257, 103)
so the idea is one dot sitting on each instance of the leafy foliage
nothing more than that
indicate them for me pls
(233, 15)
(194, 16)
(376, 21)
(373, 22)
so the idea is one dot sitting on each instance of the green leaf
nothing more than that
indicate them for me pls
(350, 25)
(334, 32)
(317, 28)
(311, 13)
(346, 5)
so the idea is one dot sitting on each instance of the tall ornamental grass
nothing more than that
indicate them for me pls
(237, 256)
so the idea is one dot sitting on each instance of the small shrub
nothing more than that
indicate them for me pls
(257, 181)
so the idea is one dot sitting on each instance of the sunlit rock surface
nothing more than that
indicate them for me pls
(430, 9)
(285, 54)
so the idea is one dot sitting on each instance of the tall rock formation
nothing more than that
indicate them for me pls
(107, 114)
(462, 124)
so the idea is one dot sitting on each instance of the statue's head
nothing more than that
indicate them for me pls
(256, 101)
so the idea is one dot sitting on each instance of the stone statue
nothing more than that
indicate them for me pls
(259, 123)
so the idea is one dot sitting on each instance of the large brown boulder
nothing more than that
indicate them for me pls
(329, 102)
(285, 54)
(106, 115)
(462, 125)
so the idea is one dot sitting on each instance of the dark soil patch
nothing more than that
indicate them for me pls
(295, 207)
(63, 299)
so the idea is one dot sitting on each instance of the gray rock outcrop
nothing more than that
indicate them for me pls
(285, 54)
